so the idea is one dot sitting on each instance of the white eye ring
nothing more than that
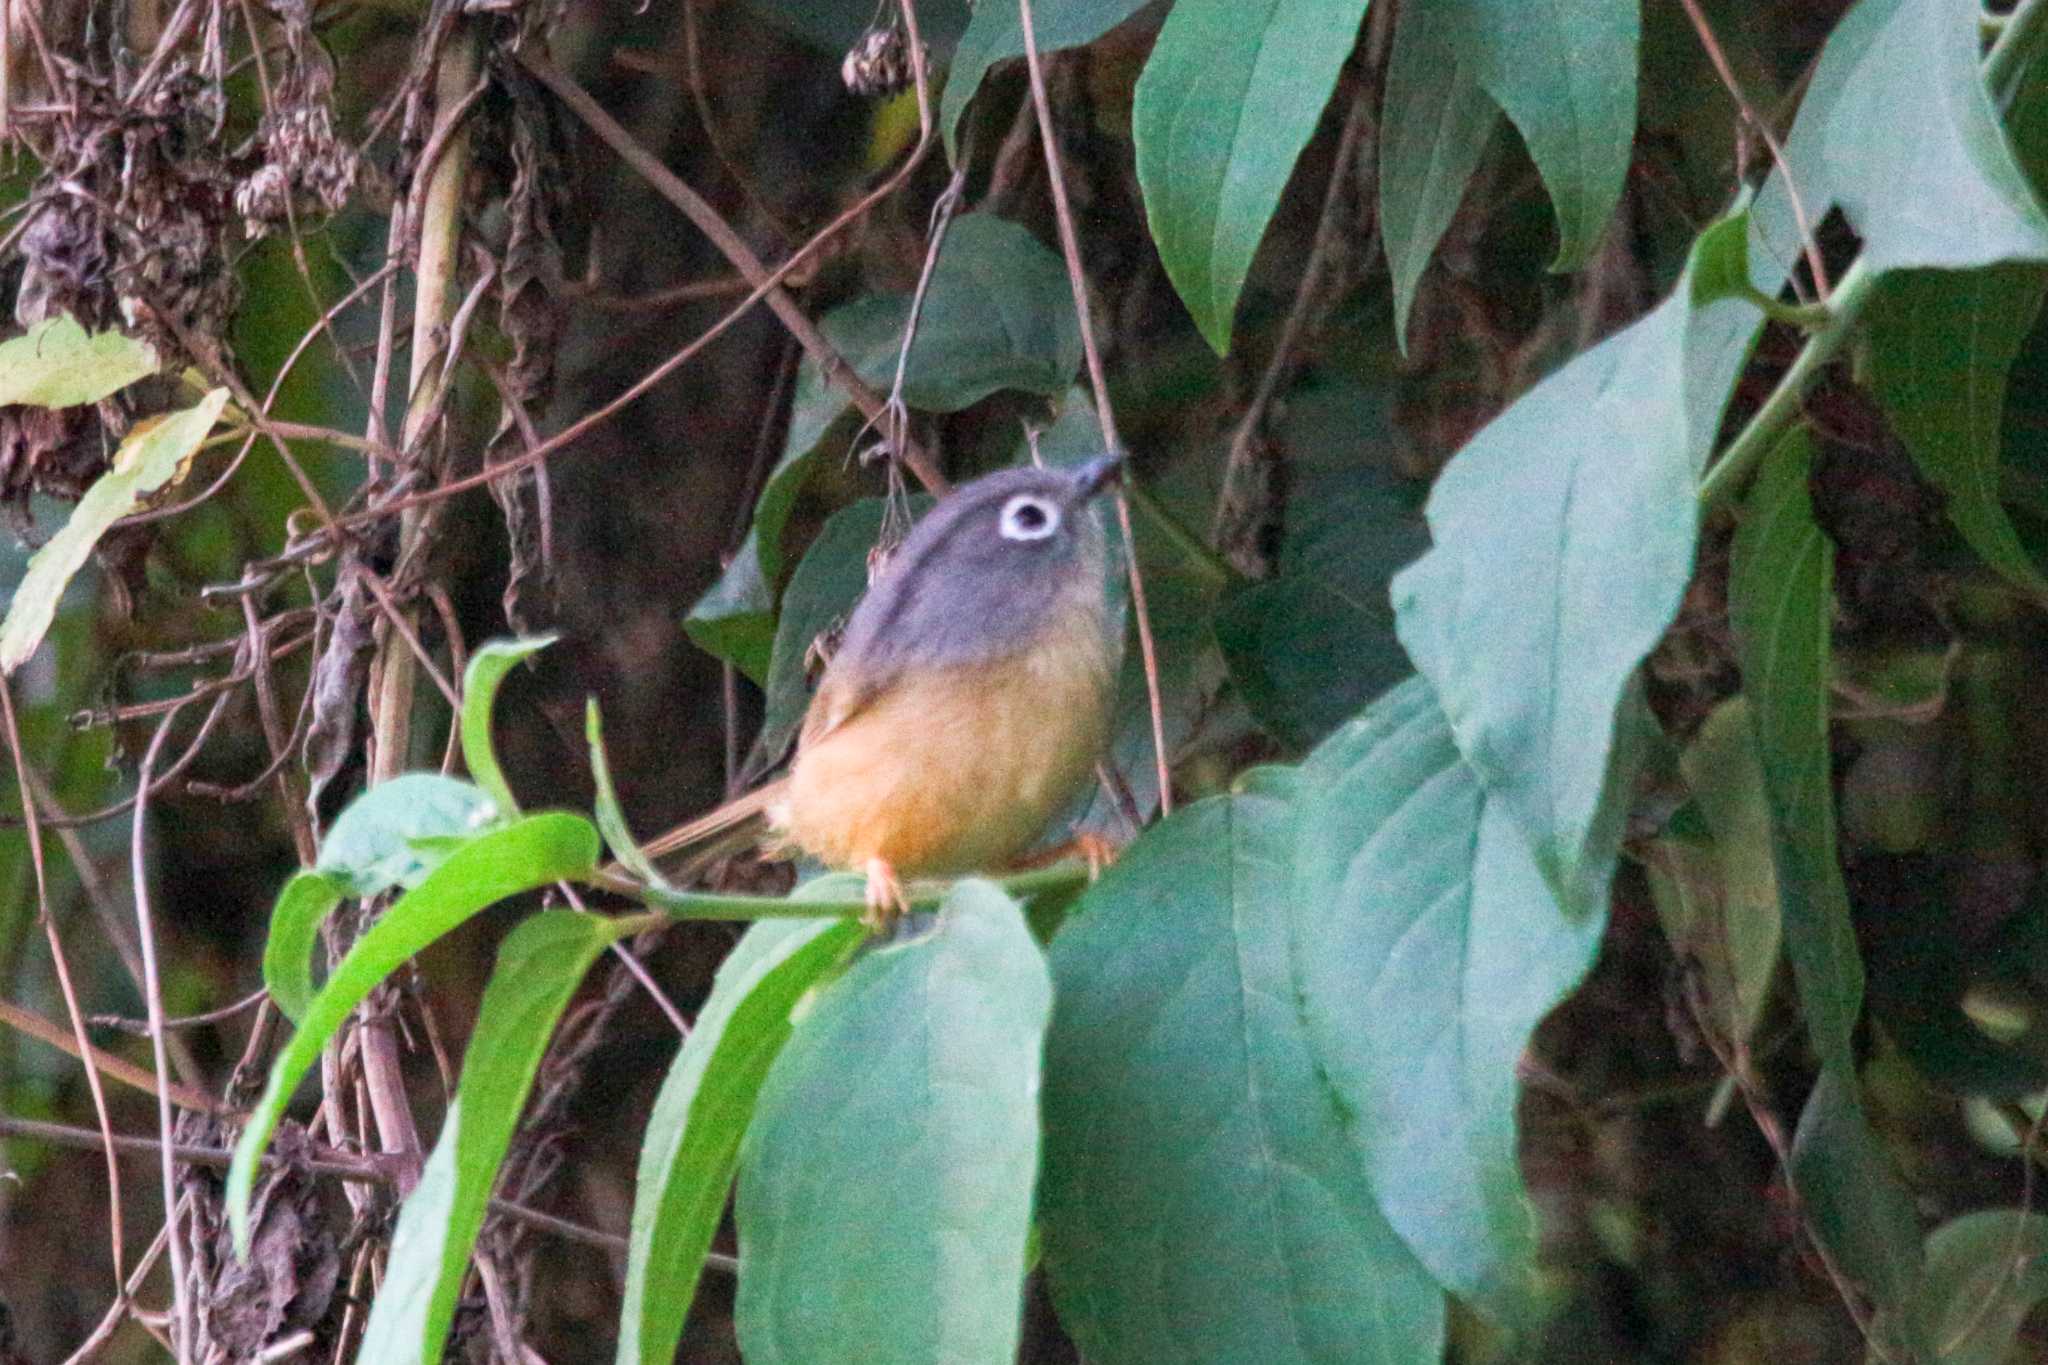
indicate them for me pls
(1029, 517)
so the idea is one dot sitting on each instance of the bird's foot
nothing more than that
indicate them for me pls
(886, 900)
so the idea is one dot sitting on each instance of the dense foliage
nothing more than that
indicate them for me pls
(1580, 561)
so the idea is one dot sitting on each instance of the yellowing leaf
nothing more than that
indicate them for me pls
(153, 454)
(57, 364)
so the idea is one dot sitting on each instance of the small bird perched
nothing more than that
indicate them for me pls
(968, 700)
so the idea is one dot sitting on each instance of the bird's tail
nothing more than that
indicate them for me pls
(731, 827)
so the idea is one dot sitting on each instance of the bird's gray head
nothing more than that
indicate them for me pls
(987, 571)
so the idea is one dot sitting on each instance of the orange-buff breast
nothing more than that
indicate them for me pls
(953, 770)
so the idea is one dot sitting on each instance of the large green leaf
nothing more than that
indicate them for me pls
(885, 1182)
(1434, 126)
(1426, 950)
(539, 967)
(693, 1133)
(1231, 94)
(1565, 73)
(536, 851)
(1941, 346)
(1781, 606)
(150, 456)
(1854, 1203)
(1564, 541)
(1897, 129)
(1199, 1202)
(1312, 644)
(57, 364)
(1985, 1273)
(996, 34)
(735, 619)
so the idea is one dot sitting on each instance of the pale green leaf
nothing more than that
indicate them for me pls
(56, 364)
(150, 456)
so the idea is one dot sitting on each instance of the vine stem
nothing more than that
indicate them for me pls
(1070, 248)
(2018, 41)
(395, 675)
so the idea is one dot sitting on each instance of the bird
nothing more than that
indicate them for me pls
(968, 699)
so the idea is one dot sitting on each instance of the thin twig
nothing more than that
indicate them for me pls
(153, 999)
(62, 964)
(1070, 247)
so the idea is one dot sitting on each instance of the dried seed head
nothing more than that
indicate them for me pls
(879, 64)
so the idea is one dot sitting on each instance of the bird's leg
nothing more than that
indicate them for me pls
(1097, 850)
(886, 901)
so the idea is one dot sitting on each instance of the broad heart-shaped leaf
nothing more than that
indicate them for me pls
(1426, 949)
(1984, 1273)
(487, 668)
(996, 33)
(150, 456)
(56, 364)
(1565, 73)
(885, 1182)
(391, 835)
(1199, 1201)
(693, 1133)
(1941, 344)
(1312, 644)
(1895, 122)
(1434, 126)
(1564, 540)
(1781, 605)
(1855, 1204)
(535, 851)
(539, 967)
(1232, 92)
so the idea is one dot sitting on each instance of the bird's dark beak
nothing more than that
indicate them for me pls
(1090, 478)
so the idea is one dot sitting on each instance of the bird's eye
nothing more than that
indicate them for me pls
(1029, 517)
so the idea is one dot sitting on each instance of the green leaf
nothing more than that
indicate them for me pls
(611, 818)
(884, 1202)
(1941, 346)
(1896, 128)
(1781, 604)
(1565, 73)
(1232, 92)
(1730, 923)
(539, 967)
(1434, 127)
(1564, 536)
(56, 364)
(1985, 1273)
(382, 839)
(487, 668)
(535, 851)
(302, 907)
(1198, 1201)
(996, 34)
(693, 1133)
(999, 314)
(1311, 645)
(735, 620)
(1854, 1202)
(153, 454)
(1426, 950)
